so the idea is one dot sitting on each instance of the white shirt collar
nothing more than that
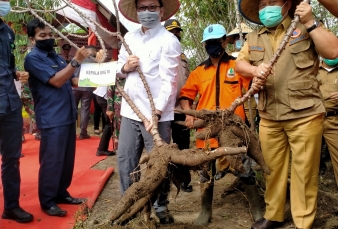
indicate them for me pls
(152, 31)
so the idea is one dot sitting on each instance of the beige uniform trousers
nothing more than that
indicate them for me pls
(302, 137)
(330, 134)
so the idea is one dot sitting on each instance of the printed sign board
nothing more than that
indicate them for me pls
(97, 74)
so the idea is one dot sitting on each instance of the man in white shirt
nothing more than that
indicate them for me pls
(157, 53)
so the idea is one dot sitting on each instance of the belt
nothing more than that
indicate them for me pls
(331, 113)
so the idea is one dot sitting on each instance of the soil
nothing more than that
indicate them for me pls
(230, 212)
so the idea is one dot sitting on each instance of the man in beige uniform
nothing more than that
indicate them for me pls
(328, 78)
(289, 105)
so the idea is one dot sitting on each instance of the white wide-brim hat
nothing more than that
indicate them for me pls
(245, 30)
(128, 9)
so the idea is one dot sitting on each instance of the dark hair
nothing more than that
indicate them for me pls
(32, 25)
(159, 1)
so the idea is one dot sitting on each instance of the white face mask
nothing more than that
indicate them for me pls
(5, 7)
(149, 19)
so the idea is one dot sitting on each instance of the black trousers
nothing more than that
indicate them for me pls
(107, 131)
(98, 114)
(181, 136)
(57, 156)
(10, 148)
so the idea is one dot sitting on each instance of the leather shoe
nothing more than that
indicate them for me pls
(105, 153)
(17, 214)
(265, 224)
(55, 211)
(165, 217)
(84, 136)
(70, 200)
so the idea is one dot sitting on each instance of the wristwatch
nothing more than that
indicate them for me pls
(158, 116)
(74, 63)
(315, 25)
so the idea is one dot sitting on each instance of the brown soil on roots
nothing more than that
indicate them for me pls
(230, 212)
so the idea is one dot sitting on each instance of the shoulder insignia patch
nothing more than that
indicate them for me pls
(231, 73)
(296, 33)
(256, 48)
(298, 39)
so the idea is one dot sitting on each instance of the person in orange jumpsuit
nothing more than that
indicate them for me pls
(218, 85)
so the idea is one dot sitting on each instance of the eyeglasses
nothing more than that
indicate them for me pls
(151, 8)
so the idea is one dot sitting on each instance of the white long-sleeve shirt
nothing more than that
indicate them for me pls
(160, 54)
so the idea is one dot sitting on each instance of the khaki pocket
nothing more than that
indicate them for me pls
(300, 94)
(302, 54)
(256, 57)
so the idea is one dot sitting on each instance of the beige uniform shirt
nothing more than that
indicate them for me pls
(328, 84)
(292, 90)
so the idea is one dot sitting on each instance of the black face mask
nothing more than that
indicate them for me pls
(178, 37)
(45, 45)
(214, 49)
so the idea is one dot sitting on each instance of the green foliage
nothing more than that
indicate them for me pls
(73, 28)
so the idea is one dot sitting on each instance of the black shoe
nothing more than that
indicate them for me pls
(17, 214)
(55, 211)
(37, 136)
(165, 217)
(265, 224)
(105, 153)
(70, 200)
(186, 188)
(84, 136)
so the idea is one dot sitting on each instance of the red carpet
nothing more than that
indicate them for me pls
(84, 184)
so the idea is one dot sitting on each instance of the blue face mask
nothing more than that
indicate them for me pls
(5, 7)
(238, 45)
(149, 19)
(271, 16)
(331, 63)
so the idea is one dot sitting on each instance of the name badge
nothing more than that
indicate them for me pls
(256, 48)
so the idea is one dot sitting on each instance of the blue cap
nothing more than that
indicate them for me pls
(214, 31)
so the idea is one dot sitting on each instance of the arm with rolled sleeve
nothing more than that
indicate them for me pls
(243, 65)
(191, 87)
(168, 70)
